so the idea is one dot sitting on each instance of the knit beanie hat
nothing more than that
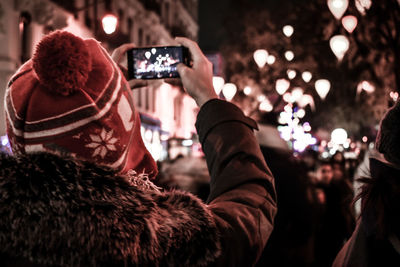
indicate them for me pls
(388, 137)
(72, 99)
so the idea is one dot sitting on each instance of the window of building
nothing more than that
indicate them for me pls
(129, 24)
(147, 98)
(154, 100)
(107, 4)
(140, 37)
(121, 18)
(88, 21)
(120, 14)
(139, 100)
(166, 14)
(24, 29)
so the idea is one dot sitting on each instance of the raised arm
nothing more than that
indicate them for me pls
(242, 194)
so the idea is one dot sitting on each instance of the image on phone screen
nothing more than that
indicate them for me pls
(155, 62)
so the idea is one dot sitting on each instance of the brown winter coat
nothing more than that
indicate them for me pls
(55, 211)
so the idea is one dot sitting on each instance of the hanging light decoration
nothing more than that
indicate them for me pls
(339, 45)
(261, 98)
(301, 113)
(288, 30)
(322, 86)
(288, 109)
(306, 126)
(349, 23)
(260, 57)
(229, 91)
(265, 105)
(339, 136)
(288, 97)
(247, 90)
(363, 5)
(366, 86)
(271, 59)
(284, 118)
(305, 100)
(394, 95)
(291, 74)
(306, 76)
(289, 55)
(281, 86)
(338, 7)
(297, 93)
(109, 23)
(218, 83)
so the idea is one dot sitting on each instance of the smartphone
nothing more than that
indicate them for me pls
(156, 62)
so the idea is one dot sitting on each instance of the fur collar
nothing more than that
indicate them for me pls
(57, 211)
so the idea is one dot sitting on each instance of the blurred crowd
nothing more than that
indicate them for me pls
(317, 211)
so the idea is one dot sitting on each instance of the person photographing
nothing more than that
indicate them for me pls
(77, 189)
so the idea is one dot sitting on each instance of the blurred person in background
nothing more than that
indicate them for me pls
(187, 173)
(337, 218)
(345, 165)
(291, 242)
(339, 158)
(309, 158)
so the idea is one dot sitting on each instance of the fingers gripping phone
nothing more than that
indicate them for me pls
(156, 62)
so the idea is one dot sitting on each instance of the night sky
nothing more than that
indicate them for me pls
(213, 13)
(211, 16)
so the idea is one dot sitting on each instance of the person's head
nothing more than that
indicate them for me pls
(325, 172)
(338, 171)
(338, 157)
(381, 191)
(72, 99)
(388, 137)
(309, 157)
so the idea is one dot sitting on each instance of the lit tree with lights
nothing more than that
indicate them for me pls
(360, 81)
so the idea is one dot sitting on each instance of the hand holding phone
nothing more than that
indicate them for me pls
(197, 80)
(156, 62)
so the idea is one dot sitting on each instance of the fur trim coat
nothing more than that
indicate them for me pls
(56, 211)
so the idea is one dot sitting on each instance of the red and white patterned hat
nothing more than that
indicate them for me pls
(72, 99)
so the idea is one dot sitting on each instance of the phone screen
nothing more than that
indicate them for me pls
(156, 62)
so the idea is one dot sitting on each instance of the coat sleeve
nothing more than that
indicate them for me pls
(242, 193)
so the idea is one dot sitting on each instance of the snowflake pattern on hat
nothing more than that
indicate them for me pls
(102, 143)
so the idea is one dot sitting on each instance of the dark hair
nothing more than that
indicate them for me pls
(380, 194)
